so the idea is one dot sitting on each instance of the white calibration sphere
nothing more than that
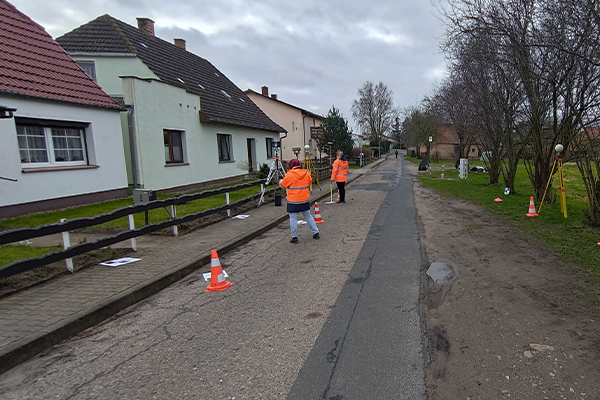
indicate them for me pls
(559, 147)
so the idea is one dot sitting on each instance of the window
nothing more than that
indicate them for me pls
(89, 67)
(224, 143)
(269, 148)
(43, 144)
(173, 146)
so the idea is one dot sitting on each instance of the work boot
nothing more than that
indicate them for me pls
(294, 240)
(316, 236)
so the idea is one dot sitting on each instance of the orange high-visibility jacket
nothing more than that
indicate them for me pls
(297, 181)
(339, 173)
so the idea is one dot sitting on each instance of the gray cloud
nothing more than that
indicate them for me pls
(313, 54)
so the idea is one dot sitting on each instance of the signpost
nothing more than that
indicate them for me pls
(316, 132)
(430, 140)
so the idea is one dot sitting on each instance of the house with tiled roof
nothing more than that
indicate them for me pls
(187, 126)
(446, 145)
(61, 133)
(302, 125)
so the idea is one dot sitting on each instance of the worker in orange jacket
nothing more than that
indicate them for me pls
(297, 182)
(339, 173)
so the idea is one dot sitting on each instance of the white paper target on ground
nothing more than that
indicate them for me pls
(241, 216)
(206, 275)
(301, 222)
(120, 261)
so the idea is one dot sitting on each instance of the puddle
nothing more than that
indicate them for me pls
(441, 273)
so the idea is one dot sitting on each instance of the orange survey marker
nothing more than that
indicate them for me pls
(217, 278)
(318, 218)
(531, 212)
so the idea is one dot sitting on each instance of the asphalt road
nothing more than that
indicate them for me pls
(371, 345)
(336, 318)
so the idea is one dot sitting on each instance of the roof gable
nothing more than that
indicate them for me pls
(221, 101)
(276, 100)
(34, 65)
(447, 134)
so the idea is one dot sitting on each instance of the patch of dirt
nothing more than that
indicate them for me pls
(16, 283)
(515, 322)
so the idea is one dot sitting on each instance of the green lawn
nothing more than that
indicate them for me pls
(572, 237)
(11, 253)
(154, 216)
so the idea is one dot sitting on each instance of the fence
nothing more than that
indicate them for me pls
(17, 235)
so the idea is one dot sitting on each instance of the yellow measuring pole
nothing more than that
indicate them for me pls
(308, 165)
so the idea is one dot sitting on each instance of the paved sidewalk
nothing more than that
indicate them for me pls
(42, 316)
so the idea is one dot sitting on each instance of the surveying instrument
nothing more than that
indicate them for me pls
(276, 171)
(558, 165)
(307, 164)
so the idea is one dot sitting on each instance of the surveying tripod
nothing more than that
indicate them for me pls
(275, 171)
(561, 186)
(308, 165)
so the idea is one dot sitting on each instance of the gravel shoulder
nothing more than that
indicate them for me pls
(513, 322)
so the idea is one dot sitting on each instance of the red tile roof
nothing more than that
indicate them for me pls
(447, 134)
(34, 65)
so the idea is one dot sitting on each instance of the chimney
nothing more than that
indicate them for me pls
(147, 25)
(179, 43)
(265, 91)
(274, 96)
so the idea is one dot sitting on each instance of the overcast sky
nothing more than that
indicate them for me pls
(313, 54)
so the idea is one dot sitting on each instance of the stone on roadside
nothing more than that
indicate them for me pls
(541, 347)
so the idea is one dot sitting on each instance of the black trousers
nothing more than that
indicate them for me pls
(342, 191)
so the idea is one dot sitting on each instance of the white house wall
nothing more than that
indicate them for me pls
(109, 69)
(159, 106)
(290, 118)
(104, 147)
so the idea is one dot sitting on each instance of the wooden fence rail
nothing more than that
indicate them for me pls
(16, 235)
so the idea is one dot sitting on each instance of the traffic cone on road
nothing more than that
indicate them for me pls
(217, 278)
(531, 212)
(318, 218)
(338, 199)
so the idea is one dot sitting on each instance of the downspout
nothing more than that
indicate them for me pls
(134, 171)
(303, 132)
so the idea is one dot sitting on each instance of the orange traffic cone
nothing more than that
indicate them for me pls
(318, 218)
(217, 279)
(531, 212)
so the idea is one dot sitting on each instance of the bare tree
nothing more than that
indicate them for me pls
(374, 111)
(546, 45)
(419, 125)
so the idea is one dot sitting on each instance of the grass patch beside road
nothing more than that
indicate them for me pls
(574, 238)
(154, 216)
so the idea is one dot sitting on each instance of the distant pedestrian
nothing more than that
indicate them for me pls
(297, 182)
(396, 153)
(339, 173)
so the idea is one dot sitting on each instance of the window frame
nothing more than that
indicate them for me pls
(53, 132)
(224, 138)
(85, 64)
(170, 133)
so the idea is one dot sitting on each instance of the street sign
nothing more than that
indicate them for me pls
(316, 132)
